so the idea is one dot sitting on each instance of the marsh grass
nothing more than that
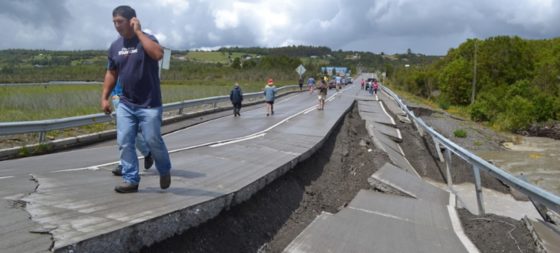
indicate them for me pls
(25, 103)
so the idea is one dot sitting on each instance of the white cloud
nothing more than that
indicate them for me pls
(225, 19)
(178, 7)
(429, 26)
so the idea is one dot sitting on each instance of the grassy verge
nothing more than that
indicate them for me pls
(461, 112)
(24, 103)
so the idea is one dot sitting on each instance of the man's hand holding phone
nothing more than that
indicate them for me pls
(135, 24)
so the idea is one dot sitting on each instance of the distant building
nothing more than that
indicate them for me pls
(339, 70)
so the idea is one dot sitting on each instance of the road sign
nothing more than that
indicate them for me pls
(300, 70)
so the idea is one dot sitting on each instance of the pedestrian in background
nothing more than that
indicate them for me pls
(269, 96)
(300, 83)
(375, 86)
(133, 59)
(236, 97)
(140, 143)
(323, 89)
(310, 84)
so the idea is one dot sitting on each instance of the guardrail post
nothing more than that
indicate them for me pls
(438, 150)
(448, 167)
(418, 127)
(42, 136)
(478, 187)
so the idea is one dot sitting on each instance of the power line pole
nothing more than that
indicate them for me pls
(474, 73)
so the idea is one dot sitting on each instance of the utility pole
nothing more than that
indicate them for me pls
(474, 73)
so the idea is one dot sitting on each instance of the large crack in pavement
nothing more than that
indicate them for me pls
(15, 211)
(271, 219)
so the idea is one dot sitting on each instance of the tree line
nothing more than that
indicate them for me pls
(507, 81)
(21, 66)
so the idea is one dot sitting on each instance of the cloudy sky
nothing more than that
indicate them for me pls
(390, 26)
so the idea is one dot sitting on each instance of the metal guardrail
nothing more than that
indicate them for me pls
(535, 193)
(43, 126)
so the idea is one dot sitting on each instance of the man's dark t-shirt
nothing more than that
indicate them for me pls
(137, 72)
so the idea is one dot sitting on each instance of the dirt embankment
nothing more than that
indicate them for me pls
(489, 233)
(549, 130)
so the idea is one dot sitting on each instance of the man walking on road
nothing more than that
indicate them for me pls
(323, 89)
(140, 143)
(133, 59)
(236, 97)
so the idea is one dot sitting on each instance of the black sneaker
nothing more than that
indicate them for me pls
(117, 171)
(148, 161)
(126, 188)
(165, 181)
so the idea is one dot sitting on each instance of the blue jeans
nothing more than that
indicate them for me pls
(129, 120)
(140, 143)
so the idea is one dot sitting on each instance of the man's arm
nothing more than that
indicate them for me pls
(108, 85)
(152, 48)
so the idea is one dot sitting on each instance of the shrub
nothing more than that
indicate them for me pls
(460, 133)
(518, 115)
(444, 104)
(24, 151)
(479, 111)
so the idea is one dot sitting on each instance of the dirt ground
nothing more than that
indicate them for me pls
(493, 233)
(327, 181)
(422, 153)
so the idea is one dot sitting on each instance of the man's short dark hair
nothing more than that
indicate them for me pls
(124, 11)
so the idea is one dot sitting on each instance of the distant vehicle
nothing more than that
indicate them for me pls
(332, 84)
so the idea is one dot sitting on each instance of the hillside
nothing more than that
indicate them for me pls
(507, 82)
(22, 66)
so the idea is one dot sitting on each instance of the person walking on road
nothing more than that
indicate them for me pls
(375, 86)
(323, 89)
(133, 59)
(310, 84)
(300, 83)
(236, 97)
(140, 143)
(269, 96)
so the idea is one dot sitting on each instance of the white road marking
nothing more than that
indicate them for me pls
(399, 134)
(77, 169)
(6, 177)
(210, 144)
(382, 107)
(239, 140)
(381, 214)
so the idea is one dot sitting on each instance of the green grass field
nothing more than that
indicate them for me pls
(213, 57)
(23, 103)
